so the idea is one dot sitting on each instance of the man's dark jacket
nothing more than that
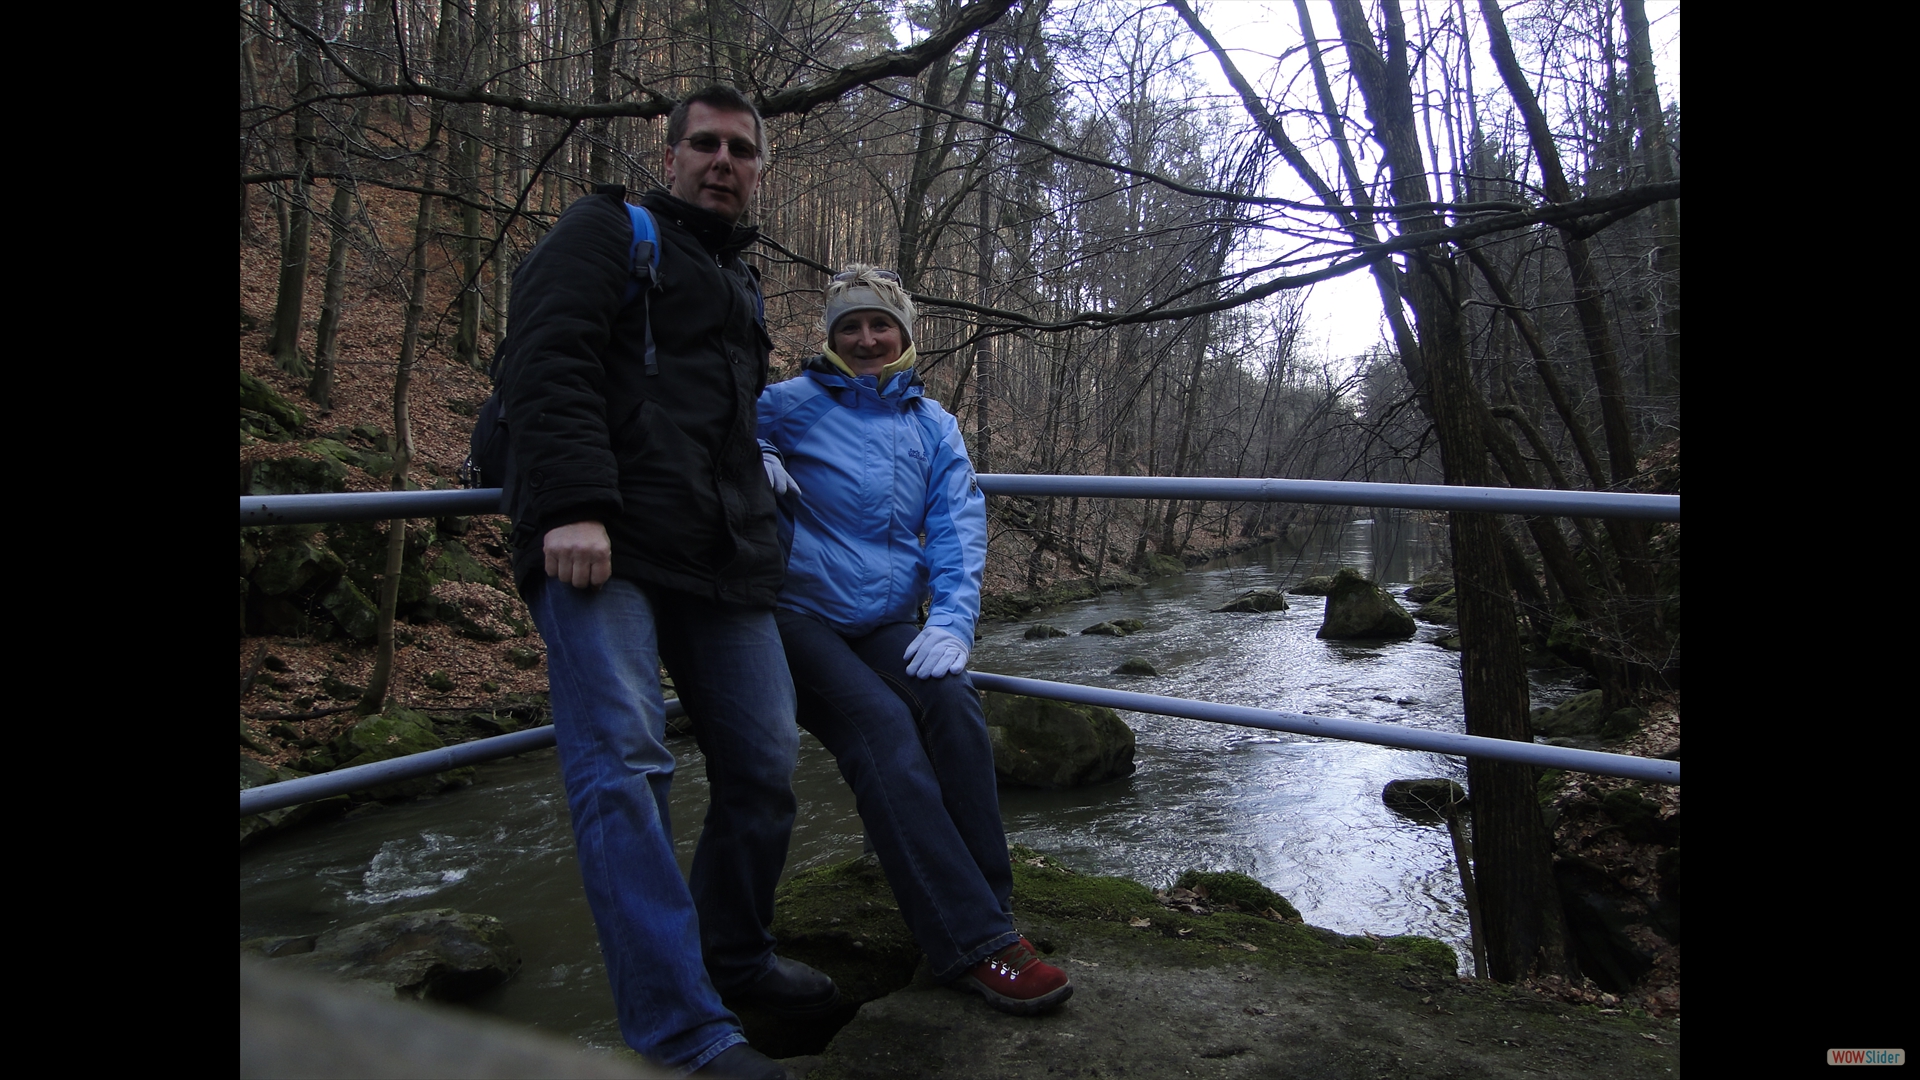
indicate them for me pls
(667, 462)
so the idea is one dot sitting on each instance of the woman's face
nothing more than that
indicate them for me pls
(868, 341)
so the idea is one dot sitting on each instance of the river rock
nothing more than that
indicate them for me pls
(1254, 600)
(438, 954)
(1578, 716)
(1441, 609)
(1041, 631)
(293, 1024)
(397, 732)
(1116, 627)
(1134, 665)
(1053, 744)
(1319, 585)
(1424, 800)
(257, 827)
(1358, 608)
(1429, 588)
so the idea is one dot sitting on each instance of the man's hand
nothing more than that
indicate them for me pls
(579, 554)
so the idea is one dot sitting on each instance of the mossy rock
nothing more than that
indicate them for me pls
(1227, 887)
(1429, 588)
(1054, 744)
(456, 563)
(352, 610)
(523, 658)
(1107, 629)
(257, 827)
(363, 548)
(293, 476)
(1580, 715)
(1425, 951)
(1256, 600)
(396, 732)
(290, 566)
(1441, 609)
(439, 681)
(1156, 565)
(1319, 585)
(1623, 724)
(843, 920)
(1360, 609)
(1134, 665)
(1041, 632)
(1450, 642)
(257, 397)
(1425, 800)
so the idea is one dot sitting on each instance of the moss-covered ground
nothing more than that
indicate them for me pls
(1165, 992)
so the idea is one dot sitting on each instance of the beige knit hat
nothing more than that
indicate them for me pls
(868, 288)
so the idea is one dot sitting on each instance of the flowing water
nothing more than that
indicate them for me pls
(1301, 815)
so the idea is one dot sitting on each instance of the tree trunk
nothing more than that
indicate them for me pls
(1525, 929)
(1660, 169)
(284, 340)
(339, 224)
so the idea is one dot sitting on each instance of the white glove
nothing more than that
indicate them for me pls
(777, 477)
(935, 654)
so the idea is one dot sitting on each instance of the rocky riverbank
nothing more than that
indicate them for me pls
(1220, 981)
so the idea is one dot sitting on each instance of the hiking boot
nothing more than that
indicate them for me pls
(790, 990)
(1015, 980)
(743, 1062)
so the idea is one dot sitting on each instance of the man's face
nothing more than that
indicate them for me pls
(715, 179)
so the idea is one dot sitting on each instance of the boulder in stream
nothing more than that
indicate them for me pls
(1116, 628)
(438, 954)
(1256, 600)
(1041, 632)
(1134, 665)
(1053, 744)
(1358, 608)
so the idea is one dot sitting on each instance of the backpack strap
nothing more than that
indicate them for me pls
(644, 274)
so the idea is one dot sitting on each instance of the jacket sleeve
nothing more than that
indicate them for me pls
(566, 296)
(956, 524)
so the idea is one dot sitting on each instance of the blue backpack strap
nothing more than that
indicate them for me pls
(644, 277)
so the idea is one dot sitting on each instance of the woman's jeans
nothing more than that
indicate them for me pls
(916, 753)
(604, 649)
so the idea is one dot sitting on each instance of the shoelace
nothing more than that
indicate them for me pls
(1012, 960)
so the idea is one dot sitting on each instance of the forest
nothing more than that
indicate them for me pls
(1112, 214)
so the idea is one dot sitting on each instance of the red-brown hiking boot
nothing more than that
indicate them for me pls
(1015, 980)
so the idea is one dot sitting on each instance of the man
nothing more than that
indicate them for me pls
(645, 530)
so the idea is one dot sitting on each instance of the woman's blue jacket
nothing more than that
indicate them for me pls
(878, 470)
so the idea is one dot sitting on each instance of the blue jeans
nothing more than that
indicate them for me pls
(604, 649)
(916, 753)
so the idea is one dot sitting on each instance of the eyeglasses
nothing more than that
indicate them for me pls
(741, 149)
(846, 276)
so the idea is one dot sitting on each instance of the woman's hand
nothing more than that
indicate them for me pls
(935, 654)
(777, 477)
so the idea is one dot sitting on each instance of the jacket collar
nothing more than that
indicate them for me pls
(903, 385)
(715, 233)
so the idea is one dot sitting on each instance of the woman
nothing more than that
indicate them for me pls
(867, 465)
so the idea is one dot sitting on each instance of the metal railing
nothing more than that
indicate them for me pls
(375, 506)
(384, 505)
